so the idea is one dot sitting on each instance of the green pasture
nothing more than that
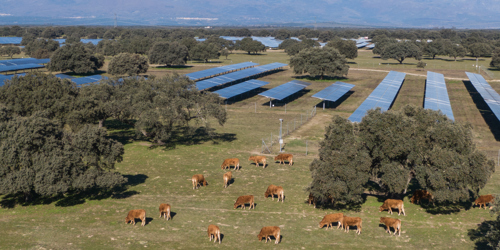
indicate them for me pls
(162, 175)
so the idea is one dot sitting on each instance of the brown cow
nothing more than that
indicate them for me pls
(242, 200)
(390, 222)
(213, 232)
(227, 178)
(419, 195)
(351, 221)
(136, 214)
(231, 162)
(311, 200)
(390, 204)
(483, 199)
(284, 157)
(275, 190)
(257, 159)
(198, 179)
(267, 232)
(329, 219)
(165, 211)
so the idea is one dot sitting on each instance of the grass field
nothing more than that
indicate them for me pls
(162, 175)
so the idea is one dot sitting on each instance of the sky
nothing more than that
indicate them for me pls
(472, 14)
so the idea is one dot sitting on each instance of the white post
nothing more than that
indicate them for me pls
(270, 101)
(323, 104)
(281, 138)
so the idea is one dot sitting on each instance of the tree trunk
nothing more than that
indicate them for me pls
(101, 123)
(407, 183)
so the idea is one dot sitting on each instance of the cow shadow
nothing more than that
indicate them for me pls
(391, 230)
(255, 165)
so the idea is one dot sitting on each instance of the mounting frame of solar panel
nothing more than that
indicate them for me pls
(285, 90)
(208, 73)
(240, 88)
(490, 96)
(238, 76)
(382, 96)
(436, 94)
(333, 92)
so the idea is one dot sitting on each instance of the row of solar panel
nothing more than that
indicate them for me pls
(283, 91)
(238, 75)
(23, 61)
(195, 76)
(10, 40)
(436, 94)
(20, 67)
(490, 96)
(4, 78)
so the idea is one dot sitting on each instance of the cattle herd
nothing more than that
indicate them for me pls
(342, 221)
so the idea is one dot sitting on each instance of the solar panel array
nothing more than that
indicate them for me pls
(334, 91)
(87, 79)
(382, 96)
(64, 76)
(240, 88)
(3, 78)
(436, 94)
(195, 76)
(10, 40)
(490, 96)
(93, 41)
(238, 75)
(371, 46)
(23, 61)
(20, 67)
(285, 90)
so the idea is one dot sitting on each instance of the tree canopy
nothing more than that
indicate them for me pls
(347, 48)
(33, 48)
(389, 150)
(399, 51)
(126, 63)
(204, 51)
(168, 53)
(75, 57)
(10, 51)
(249, 45)
(320, 62)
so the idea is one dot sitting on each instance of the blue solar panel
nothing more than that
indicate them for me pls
(283, 91)
(382, 96)
(334, 91)
(371, 46)
(436, 94)
(270, 42)
(64, 76)
(87, 79)
(10, 40)
(3, 78)
(240, 88)
(238, 75)
(23, 61)
(20, 67)
(195, 76)
(93, 41)
(490, 96)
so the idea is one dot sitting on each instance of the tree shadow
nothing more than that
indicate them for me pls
(97, 72)
(174, 67)
(318, 78)
(488, 116)
(483, 236)
(334, 105)
(76, 197)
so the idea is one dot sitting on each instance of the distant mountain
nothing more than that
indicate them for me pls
(370, 13)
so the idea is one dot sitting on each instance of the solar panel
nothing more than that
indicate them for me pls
(371, 46)
(238, 75)
(382, 96)
(334, 91)
(93, 41)
(240, 88)
(490, 96)
(20, 67)
(4, 78)
(195, 76)
(283, 91)
(87, 79)
(23, 61)
(64, 76)
(436, 94)
(10, 40)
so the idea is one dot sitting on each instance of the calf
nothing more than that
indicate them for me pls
(231, 162)
(311, 200)
(267, 232)
(275, 190)
(483, 199)
(257, 159)
(242, 200)
(390, 222)
(213, 232)
(198, 179)
(390, 204)
(351, 221)
(284, 157)
(165, 211)
(329, 219)
(419, 195)
(136, 214)
(227, 178)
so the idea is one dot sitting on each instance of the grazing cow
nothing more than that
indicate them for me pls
(390, 204)
(390, 222)
(329, 219)
(267, 232)
(231, 162)
(165, 211)
(275, 190)
(351, 221)
(242, 200)
(257, 159)
(483, 199)
(213, 232)
(419, 195)
(311, 200)
(227, 178)
(284, 157)
(136, 214)
(198, 179)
